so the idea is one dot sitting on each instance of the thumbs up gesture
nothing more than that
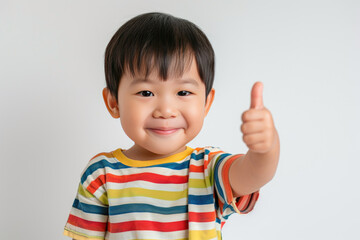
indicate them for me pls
(258, 127)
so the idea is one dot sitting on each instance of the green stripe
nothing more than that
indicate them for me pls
(141, 192)
(85, 193)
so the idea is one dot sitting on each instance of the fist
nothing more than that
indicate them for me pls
(257, 123)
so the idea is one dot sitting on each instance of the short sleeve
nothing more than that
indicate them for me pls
(226, 202)
(89, 213)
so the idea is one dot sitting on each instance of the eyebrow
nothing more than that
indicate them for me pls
(147, 80)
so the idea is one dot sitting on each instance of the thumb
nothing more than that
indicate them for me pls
(257, 96)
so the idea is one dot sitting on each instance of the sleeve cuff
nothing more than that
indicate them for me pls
(79, 237)
(243, 204)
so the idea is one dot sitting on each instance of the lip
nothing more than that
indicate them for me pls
(163, 131)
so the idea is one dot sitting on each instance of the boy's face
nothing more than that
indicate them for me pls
(161, 117)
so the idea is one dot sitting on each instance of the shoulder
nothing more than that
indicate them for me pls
(102, 160)
(99, 164)
(206, 152)
(206, 156)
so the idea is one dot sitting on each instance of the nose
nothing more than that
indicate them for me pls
(165, 109)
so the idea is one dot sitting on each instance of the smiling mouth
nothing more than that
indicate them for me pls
(165, 132)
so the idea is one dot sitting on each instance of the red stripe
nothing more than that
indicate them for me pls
(221, 206)
(222, 224)
(95, 184)
(225, 177)
(148, 177)
(86, 224)
(211, 155)
(243, 202)
(249, 203)
(147, 225)
(194, 168)
(202, 216)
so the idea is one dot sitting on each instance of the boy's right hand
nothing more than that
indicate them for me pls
(258, 128)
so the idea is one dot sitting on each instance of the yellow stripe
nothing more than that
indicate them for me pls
(80, 236)
(199, 183)
(203, 234)
(141, 192)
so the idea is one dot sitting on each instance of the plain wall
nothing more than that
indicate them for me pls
(307, 54)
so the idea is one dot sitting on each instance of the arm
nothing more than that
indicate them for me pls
(252, 171)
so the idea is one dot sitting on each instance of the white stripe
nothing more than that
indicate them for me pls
(146, 200)
(91, 201)
(148, 185)
(202, 208)
(146, 216)
(197, 163)
(202, 191)
(196, 175)
(202, 225)
(89, 216)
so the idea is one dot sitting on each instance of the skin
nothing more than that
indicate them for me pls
(161, 117)
(253, 170)
(156, 113)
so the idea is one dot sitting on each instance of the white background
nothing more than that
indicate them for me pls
(307, 53)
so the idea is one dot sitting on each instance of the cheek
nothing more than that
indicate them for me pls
(195, 116)
(132, 117)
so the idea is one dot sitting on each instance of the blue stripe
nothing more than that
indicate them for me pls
(197, 156)
(102, 164)
(90, 208)
(139, 207)
(201, 199)
(207, 151)
(173, 166)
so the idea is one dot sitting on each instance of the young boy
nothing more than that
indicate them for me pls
(159, 74)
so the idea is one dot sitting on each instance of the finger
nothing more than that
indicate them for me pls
(252, 127)
(257, 96)
(253, 139)
(254, 114)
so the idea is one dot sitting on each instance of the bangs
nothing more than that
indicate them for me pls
(165, 62)
(161, 43)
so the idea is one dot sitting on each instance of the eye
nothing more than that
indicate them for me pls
(146, 93)
(184, 93)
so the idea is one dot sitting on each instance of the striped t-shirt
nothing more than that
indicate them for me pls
(184, 196)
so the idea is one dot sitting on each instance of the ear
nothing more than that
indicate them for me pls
(209, 100)
(111, 103)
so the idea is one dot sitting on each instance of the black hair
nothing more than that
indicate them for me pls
(158, 41)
